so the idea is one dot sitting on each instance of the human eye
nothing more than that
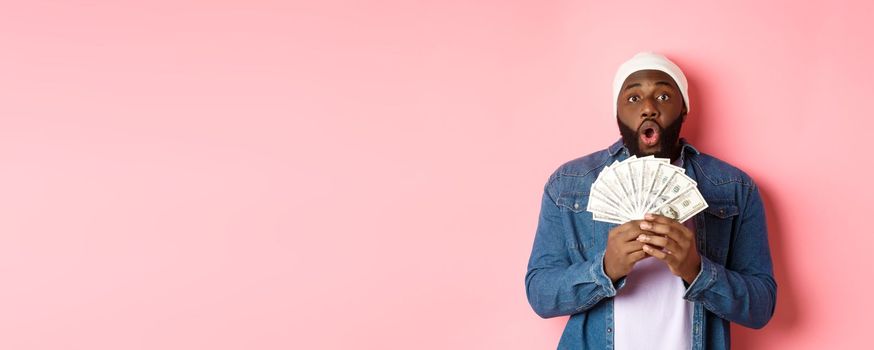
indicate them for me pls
(633, 98)
(664, 97)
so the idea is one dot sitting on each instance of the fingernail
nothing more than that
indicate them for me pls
(648, 216)
(646, 248)
(643, 238)
(645, 225)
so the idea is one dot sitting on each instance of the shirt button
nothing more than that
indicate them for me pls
(576, 205)
(609, 330)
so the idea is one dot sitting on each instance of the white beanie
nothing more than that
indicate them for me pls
(646, 61)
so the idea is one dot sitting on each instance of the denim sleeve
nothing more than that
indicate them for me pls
(554, 284)
(745, 291)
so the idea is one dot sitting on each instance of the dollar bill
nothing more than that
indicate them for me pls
(684, 206)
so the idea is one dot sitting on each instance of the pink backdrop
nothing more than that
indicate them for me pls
(351, 174)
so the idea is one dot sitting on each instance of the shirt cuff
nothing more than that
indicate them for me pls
(600, 277)
(705, 278)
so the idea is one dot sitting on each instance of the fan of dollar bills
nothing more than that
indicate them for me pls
(630, 189)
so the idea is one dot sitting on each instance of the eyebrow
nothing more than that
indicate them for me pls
(660, 82)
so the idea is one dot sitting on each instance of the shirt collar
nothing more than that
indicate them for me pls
(620, 146)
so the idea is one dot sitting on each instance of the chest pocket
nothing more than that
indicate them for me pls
(720, 219)
(579, 221)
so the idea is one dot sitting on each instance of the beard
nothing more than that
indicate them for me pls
(668, 146)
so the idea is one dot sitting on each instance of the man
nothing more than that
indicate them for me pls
(654, 283)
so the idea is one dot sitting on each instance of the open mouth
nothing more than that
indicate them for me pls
(650, 133)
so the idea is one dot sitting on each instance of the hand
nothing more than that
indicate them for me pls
(669, 241)
(623, 251)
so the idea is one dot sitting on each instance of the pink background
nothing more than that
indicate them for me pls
(351, 174)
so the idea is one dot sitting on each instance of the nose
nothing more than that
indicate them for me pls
(649, 109)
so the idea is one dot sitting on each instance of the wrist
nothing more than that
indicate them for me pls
(692, 272)
(612, 275)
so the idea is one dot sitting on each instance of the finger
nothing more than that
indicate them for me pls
(661, 242)
(632, 247)
(656, 227)
(656, 240)
(636, 256)
(655, 252)
(622, 229)
(629, 231)
(674, 230)
(656, 219)
(652, 217)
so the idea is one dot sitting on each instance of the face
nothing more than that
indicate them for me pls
(651, 113)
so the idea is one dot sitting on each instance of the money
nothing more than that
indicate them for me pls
(630, 189)
(684, 206)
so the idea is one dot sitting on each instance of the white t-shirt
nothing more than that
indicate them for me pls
(649, 312)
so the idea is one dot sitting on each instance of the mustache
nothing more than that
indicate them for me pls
(653, 120)
(669, 135)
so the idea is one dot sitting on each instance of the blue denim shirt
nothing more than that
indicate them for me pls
(565, 275)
